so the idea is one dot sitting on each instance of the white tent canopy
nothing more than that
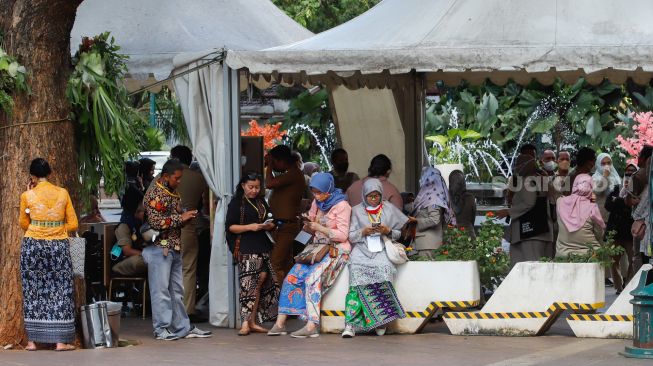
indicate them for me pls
(157, 33)
(377, 66)
(153, 32)
(511, 37)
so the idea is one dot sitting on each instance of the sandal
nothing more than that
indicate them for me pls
(66, 347)
(257, 328)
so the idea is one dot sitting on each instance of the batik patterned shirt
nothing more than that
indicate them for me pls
(163, 209)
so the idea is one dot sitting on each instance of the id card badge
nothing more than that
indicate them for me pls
(374, 243)
(303, 237)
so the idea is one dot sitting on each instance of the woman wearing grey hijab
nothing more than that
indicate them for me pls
(372, 302)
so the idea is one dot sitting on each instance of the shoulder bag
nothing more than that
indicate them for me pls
(395, 251)
(535, 222)
(314, 252)
(77, 247)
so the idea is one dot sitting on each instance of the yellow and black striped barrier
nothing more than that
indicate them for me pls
(553, 310)
(333, 313)
(601, 317)
(428, 312)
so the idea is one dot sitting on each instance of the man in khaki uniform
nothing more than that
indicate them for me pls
(191, 189)
(285, 202)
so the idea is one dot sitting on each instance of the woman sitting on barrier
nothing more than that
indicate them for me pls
(248, 223)
(372, 302)
(579, 220)
(430, 212)
(312, 276)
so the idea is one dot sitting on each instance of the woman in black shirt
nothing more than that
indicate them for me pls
(620, 221)
(248, 224)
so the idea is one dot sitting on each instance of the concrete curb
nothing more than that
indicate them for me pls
(617, 322)
(532, 297)
(423, 289)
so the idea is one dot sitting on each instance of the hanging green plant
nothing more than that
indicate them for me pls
(13, 79)
(108, 128)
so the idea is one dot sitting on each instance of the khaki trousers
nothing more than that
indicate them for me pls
(281, 256)
(189, 251)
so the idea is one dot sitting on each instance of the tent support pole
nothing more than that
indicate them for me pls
(232, 117)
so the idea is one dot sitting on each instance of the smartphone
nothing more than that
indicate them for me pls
(376, 224)
(268, 221)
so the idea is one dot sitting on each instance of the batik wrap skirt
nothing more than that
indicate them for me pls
(304, 286)
(47, 279)
(250, 269)
(372, 306)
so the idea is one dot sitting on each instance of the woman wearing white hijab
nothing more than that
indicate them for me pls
(604, 180)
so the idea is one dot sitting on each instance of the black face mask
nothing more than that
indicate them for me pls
(342, 167)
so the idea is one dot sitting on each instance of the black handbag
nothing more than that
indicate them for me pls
(535, 222)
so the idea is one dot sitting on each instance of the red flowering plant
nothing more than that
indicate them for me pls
(271, 133)
(642, 135)
(485, 249)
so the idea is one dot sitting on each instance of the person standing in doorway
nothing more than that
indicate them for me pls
(341, 174)
(191, 189)
(163, 257)
(380, 168)
(287, 187)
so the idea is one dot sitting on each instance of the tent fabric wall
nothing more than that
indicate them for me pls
(369, 124)
(207, 118)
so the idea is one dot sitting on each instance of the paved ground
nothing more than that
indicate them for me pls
(434, 347)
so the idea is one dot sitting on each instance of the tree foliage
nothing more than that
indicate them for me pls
(109, 130)
(560, 116)
(320, 15)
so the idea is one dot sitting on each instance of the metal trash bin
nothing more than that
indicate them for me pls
(101, 324)
(642, 318)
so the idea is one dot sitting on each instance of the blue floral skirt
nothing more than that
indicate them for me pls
(48, 304)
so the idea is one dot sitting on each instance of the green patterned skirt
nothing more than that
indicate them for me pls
(372, 306)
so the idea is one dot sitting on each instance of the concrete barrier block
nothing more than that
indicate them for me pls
(531, 297)
(616, 322)
(422, 288)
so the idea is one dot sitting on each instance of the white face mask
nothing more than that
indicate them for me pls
(243, 160)
(549, 166)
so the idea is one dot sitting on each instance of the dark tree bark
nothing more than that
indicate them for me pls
(37, 32)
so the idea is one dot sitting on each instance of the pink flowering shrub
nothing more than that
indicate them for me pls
(643, 135)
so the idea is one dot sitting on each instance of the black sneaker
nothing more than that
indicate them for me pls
(165, 335)
(196, 332)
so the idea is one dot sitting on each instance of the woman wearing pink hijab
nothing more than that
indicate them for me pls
(579, 220)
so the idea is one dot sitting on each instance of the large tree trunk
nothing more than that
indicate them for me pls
(37, 32)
